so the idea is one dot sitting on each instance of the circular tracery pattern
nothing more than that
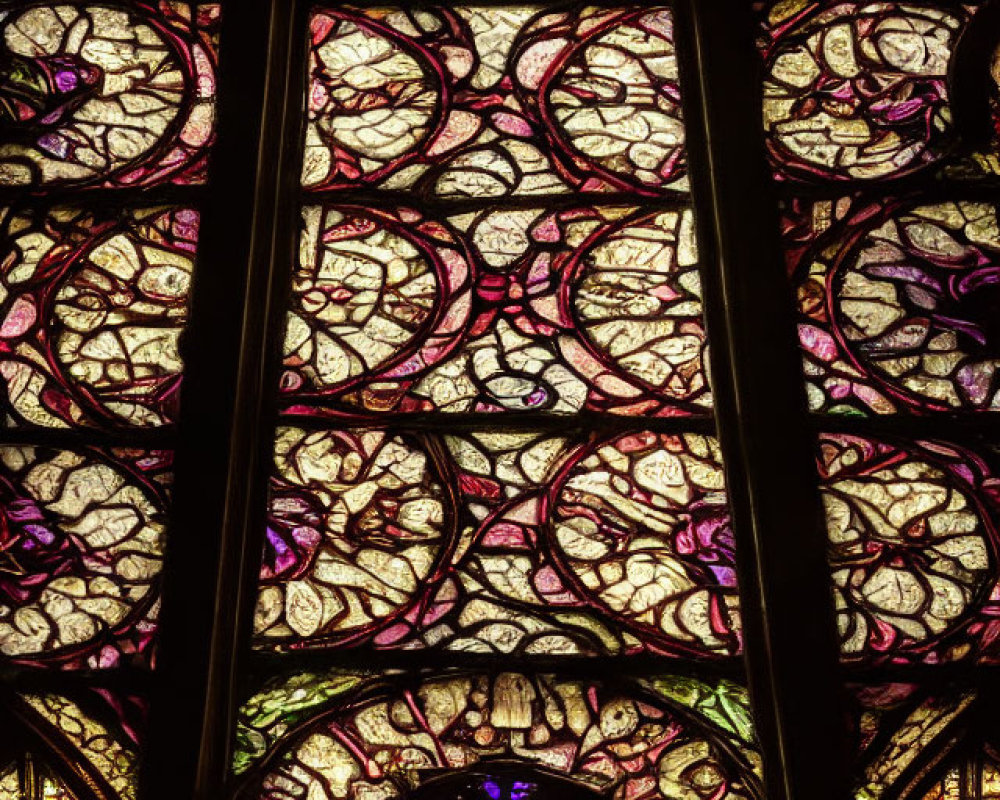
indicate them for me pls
(498, 311)
(373, 98)
(93, 310)
(358, 522)
(81, 543)
(638, 301)
(641, 524)
(911, 551)
(915, 303)
(612, 742)
(117, 322)
(365, 297)
(470, 102)
(99, 93)
(616, 98)
(859, 90)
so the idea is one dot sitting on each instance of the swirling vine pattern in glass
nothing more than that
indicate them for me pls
(499, 311)
(104, 95)
(490, 102)
(662, 739)
(515, 542)
(93, 306)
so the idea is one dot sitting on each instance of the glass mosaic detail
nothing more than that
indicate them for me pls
(858, 90)
(913, 548)
(494, 101)
(897, 305)
(338, 736)
(92, 307)
(975, 777)
(896, 726)
(501, 310)
(106, 95)
(508, 542)
(68, 747)
(81, 548)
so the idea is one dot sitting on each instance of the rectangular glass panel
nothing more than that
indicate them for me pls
(897, 303)
(493, 101)
(110, 96)
(860, 91)
(81, 550)
(502, 310)
(913, 548)
(513, 542)
(92, 308)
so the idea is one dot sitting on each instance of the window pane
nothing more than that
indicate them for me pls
(971, 776)
(93, 305)
(81, 550)
(897, 304)
(503, 310)
(913, 548)
(103, 95)
(499, 542)
(860, 90)
(901, 731)
(494, 101)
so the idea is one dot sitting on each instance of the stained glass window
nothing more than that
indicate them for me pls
(107, 117)
(886, 166)
(499, 401)
(497, 250)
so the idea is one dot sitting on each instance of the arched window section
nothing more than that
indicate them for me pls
(496, 400)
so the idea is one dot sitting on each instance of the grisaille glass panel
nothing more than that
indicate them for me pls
(860, 90)
(897, 304)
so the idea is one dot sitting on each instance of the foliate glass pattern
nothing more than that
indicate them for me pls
(388, 528)
(107, 120)
(495, 442)
(886, 166)
(479, 732)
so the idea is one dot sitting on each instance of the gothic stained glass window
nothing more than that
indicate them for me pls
(536, 541)
(492, 548)
(496, 250)
(892, 245)
(97, 101)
